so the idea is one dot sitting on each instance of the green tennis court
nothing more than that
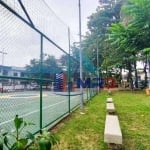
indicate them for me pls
(27, 105)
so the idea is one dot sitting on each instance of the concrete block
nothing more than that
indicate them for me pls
(109, 100)
(112, 132)
(110, 107)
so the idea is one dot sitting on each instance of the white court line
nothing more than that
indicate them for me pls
(27, 102)
(31, 113)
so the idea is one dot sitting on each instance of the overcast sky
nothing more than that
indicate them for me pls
(67, 10)
(17, 39)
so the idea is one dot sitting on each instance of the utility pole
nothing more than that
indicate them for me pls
(98, 67)
(3, 53)
(81, 88)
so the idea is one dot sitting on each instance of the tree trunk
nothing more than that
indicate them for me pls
(120, 78)
(130, 75)
(136, 75)
(145, 72)
(149, 73)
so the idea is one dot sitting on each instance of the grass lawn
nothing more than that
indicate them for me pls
(86, 131)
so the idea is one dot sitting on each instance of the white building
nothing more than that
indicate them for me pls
(7, 82)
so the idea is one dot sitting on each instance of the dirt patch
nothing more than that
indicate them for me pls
(60, 124)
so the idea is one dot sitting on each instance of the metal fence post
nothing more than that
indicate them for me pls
(41, 71)
(81, 77)
(69, 81)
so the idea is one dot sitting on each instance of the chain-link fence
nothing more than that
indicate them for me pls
(39, 71)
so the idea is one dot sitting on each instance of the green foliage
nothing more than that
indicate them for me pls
(47, 68)
(96, 38)
(129, 37)
(17, 140)
(137, 11)
(86, 62)
(120, 34)
(44, 141)
(146, 52)
(1, 141)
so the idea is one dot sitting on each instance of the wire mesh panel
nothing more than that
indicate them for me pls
(54, 106)
(47, 22)
(21, 99)
(20, 44)
(39, 72)
(75, 101)
(44, 19)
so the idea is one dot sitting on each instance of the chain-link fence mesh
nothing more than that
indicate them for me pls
(38, 71)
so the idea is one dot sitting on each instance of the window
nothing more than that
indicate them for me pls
(5, 73)
(15, 74)
(22, 74)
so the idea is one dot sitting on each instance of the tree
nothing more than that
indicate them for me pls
(139, 21)
(96, 37)
(33, 69)
(131, 33)
(48, 69)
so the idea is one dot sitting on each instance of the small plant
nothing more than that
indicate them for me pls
(14, 140)
(44, 141)
(1, 141)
